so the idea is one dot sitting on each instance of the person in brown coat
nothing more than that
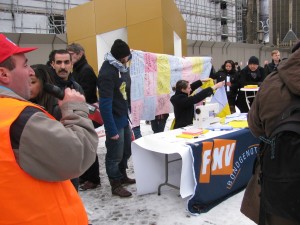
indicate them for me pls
(274, 117)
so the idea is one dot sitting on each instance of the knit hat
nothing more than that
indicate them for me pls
(120, 49)
(253, 60)
(8, 48)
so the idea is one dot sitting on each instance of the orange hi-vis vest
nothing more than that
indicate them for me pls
(24, 199)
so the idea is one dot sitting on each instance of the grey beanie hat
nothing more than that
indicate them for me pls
(120, 49)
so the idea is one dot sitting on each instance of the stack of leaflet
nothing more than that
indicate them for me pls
(192, 133)
(237, 120)
(219, 127)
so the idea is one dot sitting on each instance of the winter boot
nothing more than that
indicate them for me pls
(117, 189)
(126, 179)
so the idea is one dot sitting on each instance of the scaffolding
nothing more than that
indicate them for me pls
(208, 20)
(239, 21)
(212, 20)
(35, 16)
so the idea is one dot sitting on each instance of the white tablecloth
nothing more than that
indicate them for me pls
(148, 155)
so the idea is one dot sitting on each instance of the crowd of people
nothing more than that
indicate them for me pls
(32, 117)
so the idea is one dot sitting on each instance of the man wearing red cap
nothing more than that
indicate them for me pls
(36, 162)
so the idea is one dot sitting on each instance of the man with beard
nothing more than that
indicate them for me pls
(62, 66)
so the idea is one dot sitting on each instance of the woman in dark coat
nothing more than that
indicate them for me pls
(183, 103)
(228, 74)
(41, 97)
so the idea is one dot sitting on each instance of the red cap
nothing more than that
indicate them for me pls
(8, 48)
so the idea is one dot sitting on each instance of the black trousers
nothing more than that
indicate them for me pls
(92, 174)
(241, 102)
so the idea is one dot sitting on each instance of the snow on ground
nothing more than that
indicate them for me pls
(151, 209)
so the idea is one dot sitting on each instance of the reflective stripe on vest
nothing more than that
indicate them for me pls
(24, 199)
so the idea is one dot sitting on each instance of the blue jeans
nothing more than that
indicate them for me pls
(118, 153)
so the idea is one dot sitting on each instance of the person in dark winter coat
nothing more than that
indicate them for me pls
(252, 74)
(272, 66)
(183, 102)
(61, 72)
(114, 110)
(237, 67)
(159, 123)
(274, 117)
(83, 73)
(85, 76)
(228, 74)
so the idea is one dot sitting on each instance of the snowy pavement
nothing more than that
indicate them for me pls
(151, 209)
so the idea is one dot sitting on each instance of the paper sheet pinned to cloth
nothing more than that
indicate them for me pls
(238, 123)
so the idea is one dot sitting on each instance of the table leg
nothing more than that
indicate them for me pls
(249, 96)
(247, 100)
(167, 162)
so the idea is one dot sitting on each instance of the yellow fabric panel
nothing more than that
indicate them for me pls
(197, 65)
(225, 111)
(172, 124)
(163, 75)
(208, 83)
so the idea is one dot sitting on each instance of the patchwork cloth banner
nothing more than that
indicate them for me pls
(154, 75)
(222, 167)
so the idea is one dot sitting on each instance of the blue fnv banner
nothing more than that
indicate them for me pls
(223, 166)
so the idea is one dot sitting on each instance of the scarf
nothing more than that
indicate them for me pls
(63, 83)
(109, 57)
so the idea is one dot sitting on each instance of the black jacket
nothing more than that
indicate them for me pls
(84, 75)
(184, 104)
(70, 83)
(221, 75)
(247, 77)
(269, 68)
